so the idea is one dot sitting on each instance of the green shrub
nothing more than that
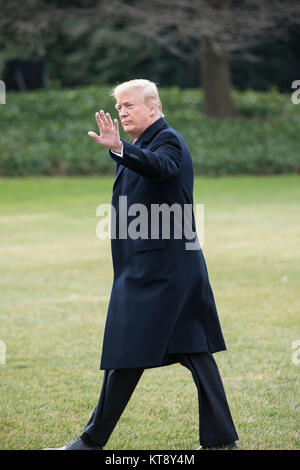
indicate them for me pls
(44, 132)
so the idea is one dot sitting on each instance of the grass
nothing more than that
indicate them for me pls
(55, 284)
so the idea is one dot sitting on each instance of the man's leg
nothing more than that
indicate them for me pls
(215, 421)
(117, 388)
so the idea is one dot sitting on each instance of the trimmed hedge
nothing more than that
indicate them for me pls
(44, 132)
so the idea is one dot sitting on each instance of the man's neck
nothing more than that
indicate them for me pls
(136, 136)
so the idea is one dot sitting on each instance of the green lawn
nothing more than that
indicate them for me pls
(55, 284)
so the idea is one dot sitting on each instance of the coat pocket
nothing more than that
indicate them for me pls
(149, 244)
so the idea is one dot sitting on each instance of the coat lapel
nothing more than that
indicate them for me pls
(152, 130)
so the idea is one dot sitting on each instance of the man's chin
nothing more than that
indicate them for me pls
(129, 130)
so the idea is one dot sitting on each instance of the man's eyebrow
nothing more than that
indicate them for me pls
(125, 103)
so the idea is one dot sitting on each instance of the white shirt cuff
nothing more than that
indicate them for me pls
(118, 154)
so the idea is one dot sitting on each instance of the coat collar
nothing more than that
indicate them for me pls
(150, 132)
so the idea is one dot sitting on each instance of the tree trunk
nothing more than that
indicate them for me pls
(216, 82)
(215, 71)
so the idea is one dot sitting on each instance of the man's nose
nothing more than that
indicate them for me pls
(123, 112)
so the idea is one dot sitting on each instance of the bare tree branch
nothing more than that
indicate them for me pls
(175, 25)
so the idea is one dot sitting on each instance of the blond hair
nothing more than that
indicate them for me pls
(149, 91)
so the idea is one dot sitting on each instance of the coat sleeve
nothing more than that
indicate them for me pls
(161, 163)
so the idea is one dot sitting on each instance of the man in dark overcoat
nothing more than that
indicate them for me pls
(162, 309)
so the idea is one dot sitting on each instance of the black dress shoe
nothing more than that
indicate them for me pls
(230, 446)
(77, 444)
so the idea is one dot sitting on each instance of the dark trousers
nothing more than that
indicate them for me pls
(215, 421)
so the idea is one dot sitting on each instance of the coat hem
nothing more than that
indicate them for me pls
(170, 358)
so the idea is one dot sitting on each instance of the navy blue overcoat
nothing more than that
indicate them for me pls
(161, 301)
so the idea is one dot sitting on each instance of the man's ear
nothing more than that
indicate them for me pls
(152, 109)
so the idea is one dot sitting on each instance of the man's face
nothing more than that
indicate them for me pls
(135, 115)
